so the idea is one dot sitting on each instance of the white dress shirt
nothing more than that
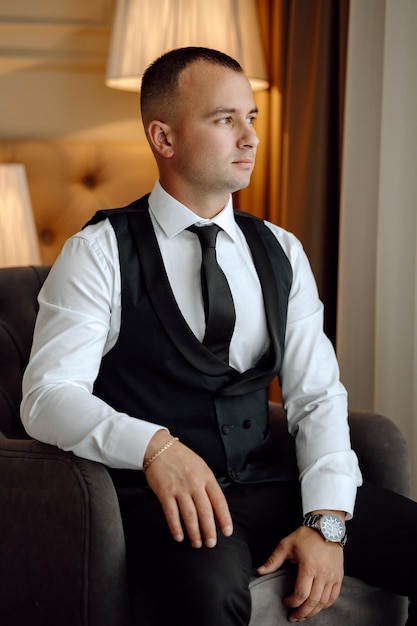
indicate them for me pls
(79, 321)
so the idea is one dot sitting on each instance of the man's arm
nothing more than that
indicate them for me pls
(313, 396)
(316, 405)
(76, 324)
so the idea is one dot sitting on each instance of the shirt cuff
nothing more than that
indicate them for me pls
(129, 441)
(329, 493)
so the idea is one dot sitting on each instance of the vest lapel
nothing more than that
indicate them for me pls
(163, 300)
(259, 239)
(253, 378)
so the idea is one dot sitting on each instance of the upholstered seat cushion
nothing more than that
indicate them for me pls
(359, 604)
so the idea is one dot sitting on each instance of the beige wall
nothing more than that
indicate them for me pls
(87, 148)
(377, 307)
(52, 70)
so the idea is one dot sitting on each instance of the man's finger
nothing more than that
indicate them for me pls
(220, 508)
(172, 516)
(274, 561)
(190, 519)
(311, 596)
(302, 592)
(206, 519)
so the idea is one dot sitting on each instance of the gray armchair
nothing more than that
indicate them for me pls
(62, 554)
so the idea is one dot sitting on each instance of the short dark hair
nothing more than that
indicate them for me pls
(160, 80)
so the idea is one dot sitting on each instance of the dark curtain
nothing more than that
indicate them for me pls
(296, 181)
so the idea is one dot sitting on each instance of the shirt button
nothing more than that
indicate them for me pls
(225, 429)
(247, 424)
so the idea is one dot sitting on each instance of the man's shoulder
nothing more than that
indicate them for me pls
(272, 234)
(247, 221)
(244, 215)
(137, 206)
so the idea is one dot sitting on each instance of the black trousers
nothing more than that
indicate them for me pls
(209, 587)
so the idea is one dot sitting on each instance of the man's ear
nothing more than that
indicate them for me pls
(159, 135)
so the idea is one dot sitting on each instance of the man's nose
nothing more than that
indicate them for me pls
(249, 138)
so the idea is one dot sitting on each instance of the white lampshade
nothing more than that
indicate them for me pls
(145, 29)
(18, 239)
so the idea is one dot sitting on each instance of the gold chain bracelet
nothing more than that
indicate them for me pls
(158, 452)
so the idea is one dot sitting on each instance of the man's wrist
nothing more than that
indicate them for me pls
(158, 452)
(159, 439)
(341, 514)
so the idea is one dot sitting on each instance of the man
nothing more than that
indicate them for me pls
(124, 370)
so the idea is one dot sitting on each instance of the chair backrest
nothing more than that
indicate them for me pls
(19, 288)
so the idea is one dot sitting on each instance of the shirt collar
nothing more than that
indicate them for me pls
(174, 217)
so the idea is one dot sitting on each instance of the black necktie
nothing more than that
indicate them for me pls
(218, 302)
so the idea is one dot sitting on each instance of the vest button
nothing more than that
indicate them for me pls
(225, 429)
(247, 424)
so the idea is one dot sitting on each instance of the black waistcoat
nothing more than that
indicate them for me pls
(159, 371)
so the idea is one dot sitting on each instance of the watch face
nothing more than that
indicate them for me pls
(332, 528)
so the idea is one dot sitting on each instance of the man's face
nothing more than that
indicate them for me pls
(213, 139)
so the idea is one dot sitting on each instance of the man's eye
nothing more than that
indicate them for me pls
(251, 120)
(224, 120)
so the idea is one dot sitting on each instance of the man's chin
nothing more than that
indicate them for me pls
(242, 183)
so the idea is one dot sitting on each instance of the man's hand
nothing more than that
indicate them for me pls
(320, 571)
(187, 490)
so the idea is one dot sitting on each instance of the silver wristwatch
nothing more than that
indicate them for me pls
(330, 526)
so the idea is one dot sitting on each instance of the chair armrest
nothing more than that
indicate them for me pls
(379, 444)
(62, 554)
(382, 451)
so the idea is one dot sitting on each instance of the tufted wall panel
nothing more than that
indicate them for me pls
(70, 180)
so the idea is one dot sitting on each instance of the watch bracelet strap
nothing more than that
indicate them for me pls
(310, 519)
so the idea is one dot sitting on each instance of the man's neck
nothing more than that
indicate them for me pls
(204, 205)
